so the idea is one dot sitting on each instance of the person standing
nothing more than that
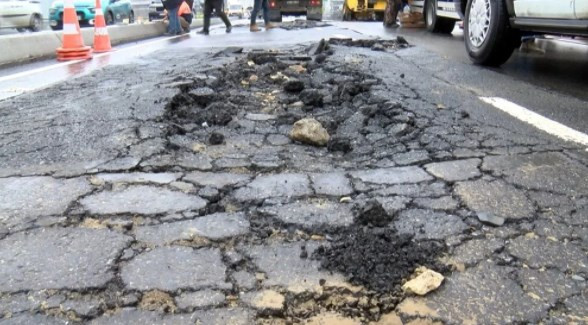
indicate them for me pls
(172, 7)
(263, 5)
(391, 13)
(217, 5)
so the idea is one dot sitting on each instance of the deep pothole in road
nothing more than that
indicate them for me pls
(285, 87)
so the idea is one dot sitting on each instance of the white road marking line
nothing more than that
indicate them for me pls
(63, 64)
(542, 123)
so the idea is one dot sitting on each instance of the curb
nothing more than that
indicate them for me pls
(19, 48)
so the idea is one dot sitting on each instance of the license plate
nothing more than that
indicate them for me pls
(79, 17)
(292, 3)
(53, 23)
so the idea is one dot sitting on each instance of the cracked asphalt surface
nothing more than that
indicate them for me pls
(117, 206)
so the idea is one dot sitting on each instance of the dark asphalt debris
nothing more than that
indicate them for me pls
(378, 258)
(294, 86)
(216, 138)
(372, 213)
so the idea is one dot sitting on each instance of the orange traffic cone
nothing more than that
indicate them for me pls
(72, 47)
(101, 38)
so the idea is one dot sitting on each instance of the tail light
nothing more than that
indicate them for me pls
(272, 4)
(315, 3)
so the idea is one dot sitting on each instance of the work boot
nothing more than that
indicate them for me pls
(229, 29)
(254, 28)
(270, 26)
(202, 32)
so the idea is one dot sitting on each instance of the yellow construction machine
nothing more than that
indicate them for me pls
(364, 9)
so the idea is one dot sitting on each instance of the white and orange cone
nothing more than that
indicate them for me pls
(72, 47)
(101, 37)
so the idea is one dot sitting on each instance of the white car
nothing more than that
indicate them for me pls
(493, 28)
(236, 10)
(21, 14)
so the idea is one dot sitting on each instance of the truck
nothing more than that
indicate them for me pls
(312, 9)
(364, 10)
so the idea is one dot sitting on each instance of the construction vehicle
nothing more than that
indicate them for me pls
(364, 10)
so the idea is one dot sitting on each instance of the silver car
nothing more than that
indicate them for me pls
(21, 14)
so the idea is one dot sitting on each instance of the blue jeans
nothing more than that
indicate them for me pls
(257, 5)
(174, 23)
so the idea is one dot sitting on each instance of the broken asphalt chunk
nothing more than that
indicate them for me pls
(490, 219)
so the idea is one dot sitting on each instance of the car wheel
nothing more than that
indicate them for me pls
(21, 30)
(109, 18)
(434, 23)
(131, 17)
(489, 40)
(59, 26)
(36, 23)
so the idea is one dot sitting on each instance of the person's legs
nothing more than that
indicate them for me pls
(391, 13)
(185, 25)
(174, 24)
(218, 7)
(265, 7)
(255, 11)
(207, 13)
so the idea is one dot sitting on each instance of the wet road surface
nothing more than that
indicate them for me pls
(559, 71)
(289, 184)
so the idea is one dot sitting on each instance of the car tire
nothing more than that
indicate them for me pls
(434, 23)
(131, 17)
(36, 23)
(494, 46)
(57, 27)
(109, 18)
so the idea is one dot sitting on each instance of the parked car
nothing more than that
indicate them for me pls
(236, 10)
(156, 10)
(20, 14)
(493, 28)
(114, 11)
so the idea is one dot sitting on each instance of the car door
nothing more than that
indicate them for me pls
(3, 9)
(24, 11)
(11, 12)
(581, 7)
(117, 8)
(554, 9)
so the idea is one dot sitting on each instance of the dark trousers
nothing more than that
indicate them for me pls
(260, 5)
(174, 23)
(217, 5)
(391, 12)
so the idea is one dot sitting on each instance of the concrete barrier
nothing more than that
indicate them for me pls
(21, 48)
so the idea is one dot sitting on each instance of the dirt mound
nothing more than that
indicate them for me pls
(378, 258)
(302, 24)
(195, 108)
(374, 44)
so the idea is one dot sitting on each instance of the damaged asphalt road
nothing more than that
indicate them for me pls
(298, 185)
